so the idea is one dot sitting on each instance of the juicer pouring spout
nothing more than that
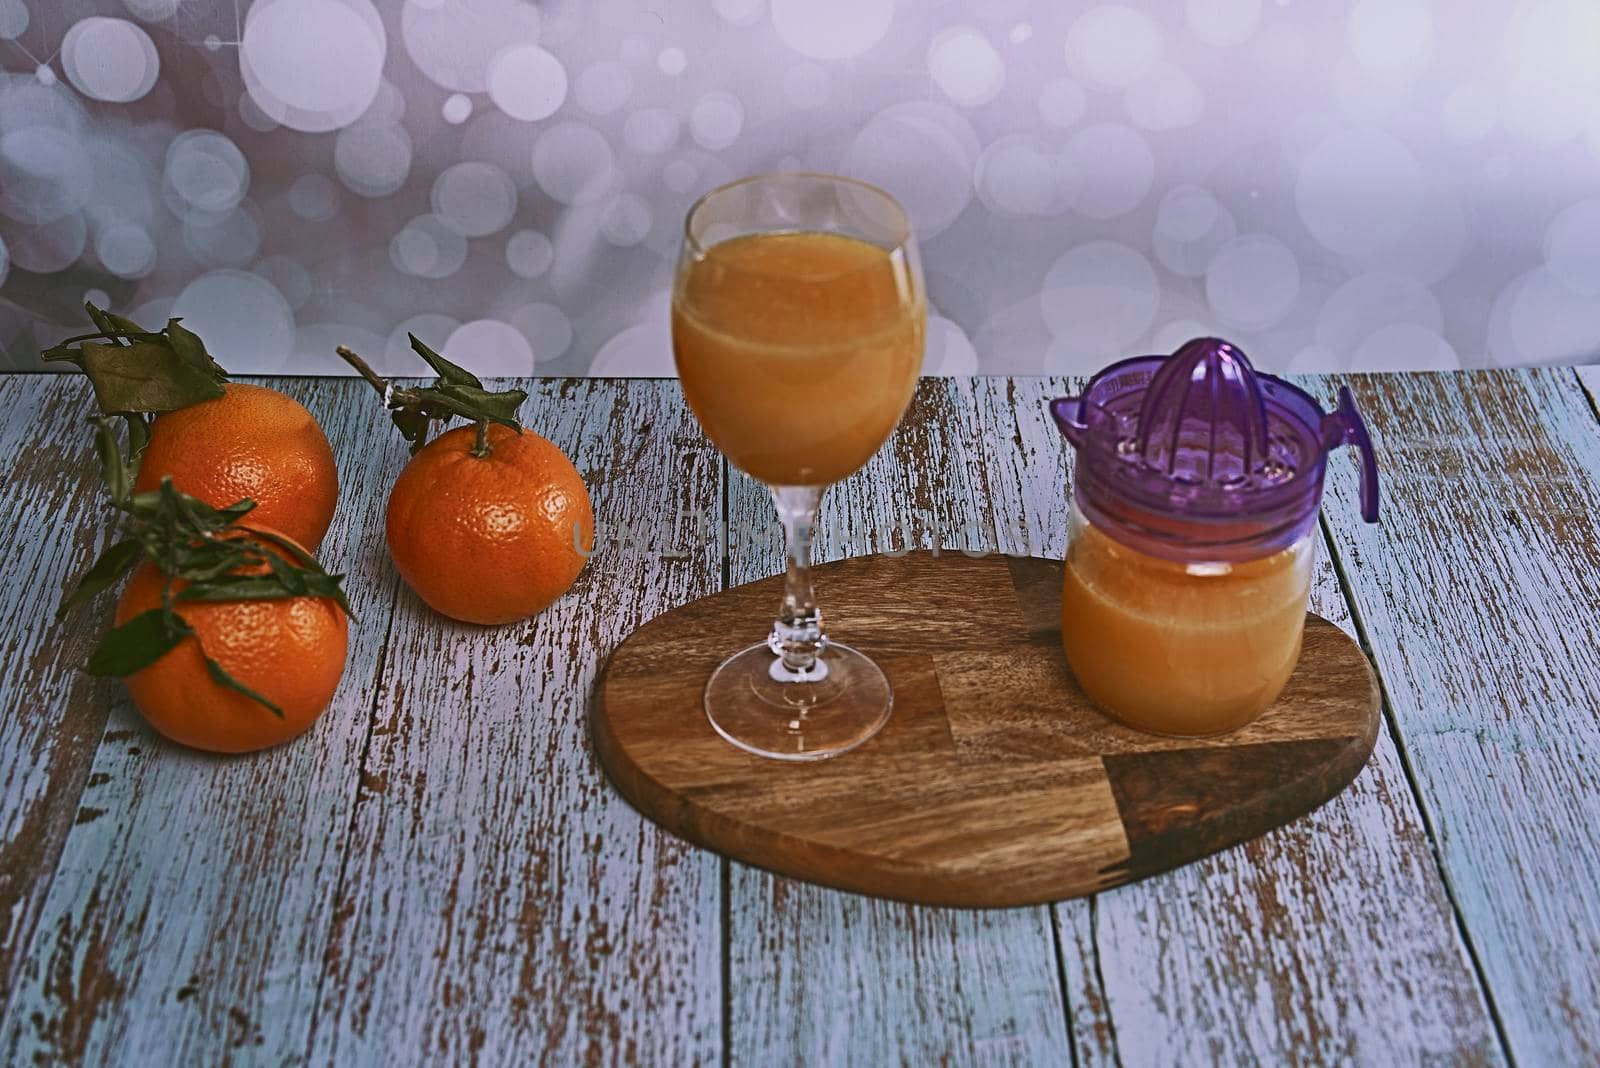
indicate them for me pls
(1067, 412)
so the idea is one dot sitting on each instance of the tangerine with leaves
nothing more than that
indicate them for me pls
(217, 440)
(230, 637)
(286, 651)
(489, 523)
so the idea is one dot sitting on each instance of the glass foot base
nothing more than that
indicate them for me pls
(829, 712)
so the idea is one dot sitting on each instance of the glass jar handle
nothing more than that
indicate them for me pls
(1346, 427)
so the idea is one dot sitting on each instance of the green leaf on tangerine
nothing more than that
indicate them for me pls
(145, 377)
(103, 573)
(137, 644)
(447, 371)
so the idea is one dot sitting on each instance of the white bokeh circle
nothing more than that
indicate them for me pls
(1539, 319)
(13, 24)
(1111, 47)
(491, 348)
(626, 220)
(832, 29)
(110, 59)
(1404, 345)
(1113, 168)
(314, 198)
(926, 153)
(1392, 38)
(427, 248)
(740, 12)
(527, 82)
(603, 87)
(1191, 227)
(45, 173)
(152, 10)
(716, 120)
(126, 250)
(643, 351)
(1359, 191)
(529, 253)
(672, 62)
(453, 44)
(1252, 282)
(1222, 23)
(965, 66)
(313, 65)
(651, 131)
(1018, 175)
(373, 161)
(573, 163)
(242, 316)
(456, 109)
(474, 199)
(1165, 99)
(206, 170)
(1171, 336)
(49, 247)
(228, 239)
(287, 277)
(1097, 299)
(1369, 303)
(1572, 247)
(949, 351)
(547, 328)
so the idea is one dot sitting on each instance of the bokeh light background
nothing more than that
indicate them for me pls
(1335, 185)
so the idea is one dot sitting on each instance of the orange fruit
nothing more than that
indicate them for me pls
(489, 539)
(250, 442)
(290, 651)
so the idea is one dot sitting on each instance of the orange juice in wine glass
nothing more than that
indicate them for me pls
(798, 350)
(797, 326)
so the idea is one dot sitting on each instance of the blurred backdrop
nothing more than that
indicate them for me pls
(1379, 184)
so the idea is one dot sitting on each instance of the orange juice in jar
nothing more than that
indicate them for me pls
(1192, 535)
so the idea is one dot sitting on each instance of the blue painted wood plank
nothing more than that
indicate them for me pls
(1478, 596)
(501, 902)
(190, 913)
(52, 523)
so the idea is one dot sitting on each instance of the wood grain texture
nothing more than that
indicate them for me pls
(52, 523)
(820, 977)
(500, 902)
(1479, 594)
(1331, 939)
(194, 896)
(996, 782)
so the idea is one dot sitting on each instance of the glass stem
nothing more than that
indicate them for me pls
(797, 632)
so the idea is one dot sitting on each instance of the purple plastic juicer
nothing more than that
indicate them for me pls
(1196, 456)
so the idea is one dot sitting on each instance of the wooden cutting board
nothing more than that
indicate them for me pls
(995, 782)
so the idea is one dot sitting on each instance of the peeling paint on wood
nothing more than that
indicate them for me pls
(189, 916)
(1479, 595)
(500, 901)
(53, 521)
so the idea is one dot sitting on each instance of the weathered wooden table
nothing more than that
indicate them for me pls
(439, 873)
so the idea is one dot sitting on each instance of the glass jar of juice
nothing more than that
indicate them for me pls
(1192, 534)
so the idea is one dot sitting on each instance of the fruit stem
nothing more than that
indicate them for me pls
(365, 369)
(480, 448)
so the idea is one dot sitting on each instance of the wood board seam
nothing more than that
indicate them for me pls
(1583, 375)
(1061, 983)
(1100, 982)
(350, 825)
(1403, 752)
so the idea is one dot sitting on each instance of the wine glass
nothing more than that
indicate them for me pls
(798, 317)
